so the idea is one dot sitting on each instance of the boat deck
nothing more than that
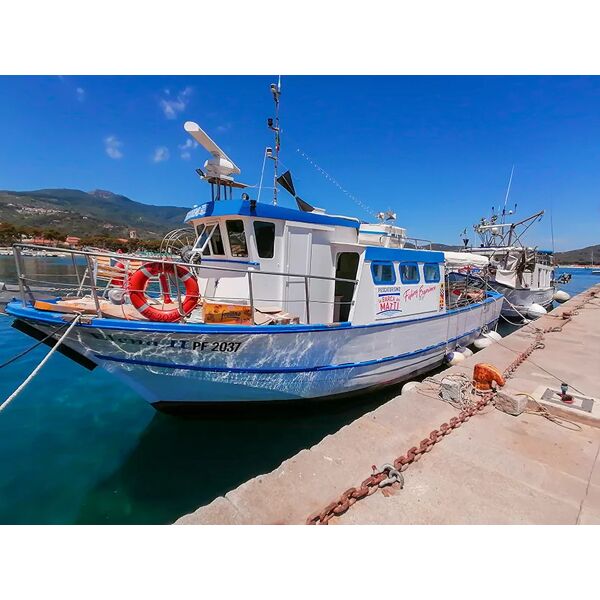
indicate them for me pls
(496, 468)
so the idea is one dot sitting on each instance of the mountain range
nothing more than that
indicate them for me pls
(100, 212)
(79, 213)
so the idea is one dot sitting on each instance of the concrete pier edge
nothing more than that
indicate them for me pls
(496, 468)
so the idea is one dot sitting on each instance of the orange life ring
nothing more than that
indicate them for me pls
(137, 291)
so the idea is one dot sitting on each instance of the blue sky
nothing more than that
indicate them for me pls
(437, 150)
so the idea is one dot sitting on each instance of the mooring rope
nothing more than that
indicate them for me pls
(27, 350)
(42, 363)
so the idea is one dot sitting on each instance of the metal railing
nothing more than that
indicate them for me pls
(97, 292)
(425, 244)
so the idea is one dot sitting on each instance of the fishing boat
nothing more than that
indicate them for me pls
(254, 301)
(524, 275)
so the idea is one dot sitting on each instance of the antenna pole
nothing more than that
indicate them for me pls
(276, 91)
(507, 193)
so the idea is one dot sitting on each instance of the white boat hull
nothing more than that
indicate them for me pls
(517, 301)
(172, 364)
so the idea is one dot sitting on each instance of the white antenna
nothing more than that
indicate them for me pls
(220, 168)
(221, 165)
(507, 192)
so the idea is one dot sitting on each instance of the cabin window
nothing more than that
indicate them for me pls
(409, 273)
(265, 238)
(216, 242)
(201, 243)
(237, 238)
(431, 271)
(383, 273)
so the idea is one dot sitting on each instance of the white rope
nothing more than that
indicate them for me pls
(515, 309)
(42, 363)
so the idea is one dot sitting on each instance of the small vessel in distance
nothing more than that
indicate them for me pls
(254, 301)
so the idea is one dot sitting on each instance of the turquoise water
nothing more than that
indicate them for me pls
(77, 447)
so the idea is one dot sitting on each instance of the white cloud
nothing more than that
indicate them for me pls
(173, 105)
(80, 94)
(113, 146)
(160, 154)
(186, 148)
(224, 127)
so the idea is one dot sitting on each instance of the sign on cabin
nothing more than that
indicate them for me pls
(396, 301)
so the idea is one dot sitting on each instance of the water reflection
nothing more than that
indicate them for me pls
(180, 464)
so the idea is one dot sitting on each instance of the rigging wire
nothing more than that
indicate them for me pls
(262, 173)
(332, 179)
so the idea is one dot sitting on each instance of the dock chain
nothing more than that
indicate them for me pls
(387, 474)
(391, 474)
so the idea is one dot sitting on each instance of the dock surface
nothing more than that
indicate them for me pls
(494, 469)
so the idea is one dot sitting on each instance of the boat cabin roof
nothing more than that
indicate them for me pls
(224, 208)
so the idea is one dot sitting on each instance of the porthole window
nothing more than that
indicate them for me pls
(409, 273)
(431, 271)
(383, 273)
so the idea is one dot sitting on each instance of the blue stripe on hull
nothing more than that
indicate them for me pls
(366, 363)
(16, 309)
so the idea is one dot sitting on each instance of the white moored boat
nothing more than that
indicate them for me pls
(522, 274)
(279, 304)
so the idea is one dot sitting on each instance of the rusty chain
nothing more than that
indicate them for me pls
(372, 483)
(384, 476)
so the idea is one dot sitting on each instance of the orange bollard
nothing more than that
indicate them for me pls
(484, 375)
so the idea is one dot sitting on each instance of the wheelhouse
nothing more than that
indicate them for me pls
(327, 274)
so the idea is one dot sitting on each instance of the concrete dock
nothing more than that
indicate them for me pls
(494, 469)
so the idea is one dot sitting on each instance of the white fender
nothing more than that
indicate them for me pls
(561, 296)
(535, 310)
(466, 352)
(493, 335)
(408, 386)
(453, 358)
(482, 342)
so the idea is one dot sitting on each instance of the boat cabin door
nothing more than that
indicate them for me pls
(346, 268)
(298, 256)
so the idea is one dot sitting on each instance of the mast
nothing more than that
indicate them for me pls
(507, 194)
(276, 91)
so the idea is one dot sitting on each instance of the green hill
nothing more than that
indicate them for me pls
(99, 212)
(583, 256)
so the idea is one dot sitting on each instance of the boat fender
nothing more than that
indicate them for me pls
(493, 335)
(535, 310)
(118, 281)
(453, 358)
(408, 386)
(137, 291)
(561, 296)
(482, 342)
(484, 375)
(466, 352)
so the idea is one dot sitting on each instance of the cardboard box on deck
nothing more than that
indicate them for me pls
(216, 312)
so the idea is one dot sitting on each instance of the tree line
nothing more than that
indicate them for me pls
(10, 234)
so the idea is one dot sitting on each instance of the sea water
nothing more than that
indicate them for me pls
(78, 447)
